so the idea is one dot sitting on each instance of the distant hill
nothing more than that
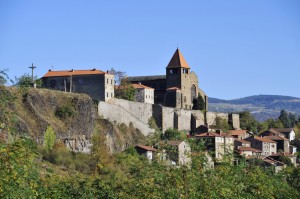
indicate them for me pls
(261, 106)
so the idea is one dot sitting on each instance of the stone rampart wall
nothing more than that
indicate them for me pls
(115, 112)
(123, 111)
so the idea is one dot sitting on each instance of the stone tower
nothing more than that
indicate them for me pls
(179, 77)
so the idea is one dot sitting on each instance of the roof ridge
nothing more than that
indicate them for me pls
(178, 60)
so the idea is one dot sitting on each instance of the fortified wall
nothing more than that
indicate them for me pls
(123, 111)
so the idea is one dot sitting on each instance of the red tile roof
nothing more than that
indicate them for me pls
(141, 86)
(178, 61)
(282, 130)
(237, 132)
(263, 139)
(147, 148)
(242, 148)
(64, 73)
(275, 137)
(209, 134)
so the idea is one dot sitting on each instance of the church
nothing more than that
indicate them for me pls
(177, 88)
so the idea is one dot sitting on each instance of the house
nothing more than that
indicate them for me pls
(248, 151)
(220, 145)
(178, 152)
(265, 145)
(239, 134)
(283, 143)
(144, 93)
(243, 147)
(278, 157)
(147, 151)
(244, 143)
(288, 133)
(270, 162)
(96, 83)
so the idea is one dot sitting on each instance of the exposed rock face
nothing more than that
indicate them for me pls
(37, 109)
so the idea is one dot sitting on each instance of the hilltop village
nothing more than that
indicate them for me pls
(169, 100)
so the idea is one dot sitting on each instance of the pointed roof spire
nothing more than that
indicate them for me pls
(178, 61)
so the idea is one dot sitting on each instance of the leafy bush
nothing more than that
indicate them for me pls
(65, 111)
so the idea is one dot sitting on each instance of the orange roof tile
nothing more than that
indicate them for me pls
(275, 137)
(177, 61)
(243, 148)
(147, 148)
(282, 130)
(208, 134)
(64, 73)
(141, 86)
(263, 139)
(237, 132)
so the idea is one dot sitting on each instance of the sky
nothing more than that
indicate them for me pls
(237, 48)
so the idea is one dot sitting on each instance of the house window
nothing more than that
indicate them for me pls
(107, 81)
(106, 94)
(111, 95)
(111, 81)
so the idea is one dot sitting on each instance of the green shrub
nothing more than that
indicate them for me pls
(65, 111)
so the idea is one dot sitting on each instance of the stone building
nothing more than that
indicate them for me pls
(288, 133)
(267, 146)
(177, 152)
(177, 88)
(96, 83)
(220, 145)
(143, 93)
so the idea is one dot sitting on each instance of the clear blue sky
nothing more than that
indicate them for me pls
(237, 48)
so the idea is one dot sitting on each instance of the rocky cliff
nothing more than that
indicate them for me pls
(73, 117)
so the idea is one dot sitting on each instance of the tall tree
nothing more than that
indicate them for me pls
(198, 103)
(248, 122)
(125, 90)
(119, 75)
(285, 119)
(222, 124)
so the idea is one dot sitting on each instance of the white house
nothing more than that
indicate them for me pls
(144, 93)
(147, 151)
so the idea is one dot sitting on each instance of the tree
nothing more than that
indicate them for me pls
(285, 119)
(221, 123)
(119, 75)
(26, 80)
(174, 134)
(49, 139)
(198, 103)
(125, 90)
(4, 77)
(247, 121)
